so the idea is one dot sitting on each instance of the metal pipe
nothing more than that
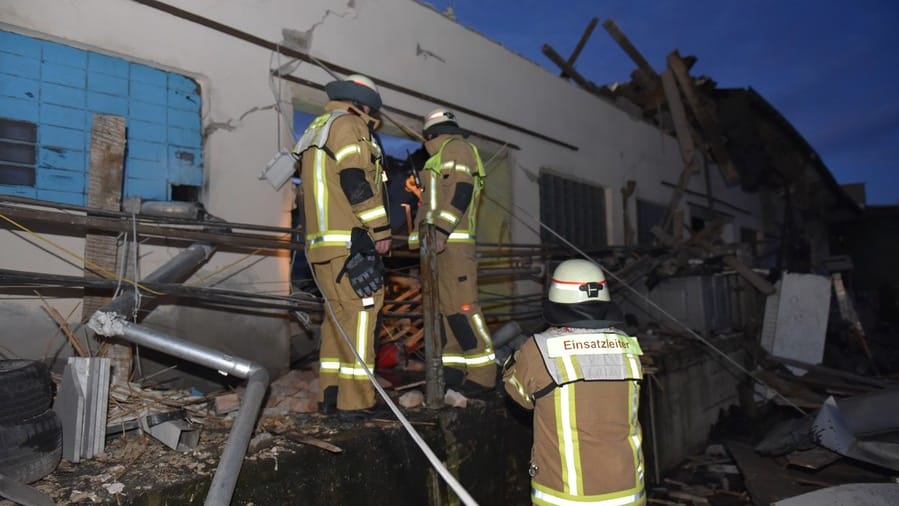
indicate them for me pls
(225, 478)
(174, 270)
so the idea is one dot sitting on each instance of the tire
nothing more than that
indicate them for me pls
(32, 449)
(26, 390)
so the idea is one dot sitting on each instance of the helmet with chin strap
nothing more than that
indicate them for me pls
(441, 121)
(357, 89)
(579, 296)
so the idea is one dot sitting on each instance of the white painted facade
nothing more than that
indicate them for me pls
(401, 42)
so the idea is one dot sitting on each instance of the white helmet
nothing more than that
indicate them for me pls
(576, 281)
(355, 88)
(441, 121)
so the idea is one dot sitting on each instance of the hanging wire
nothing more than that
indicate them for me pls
(640, 296)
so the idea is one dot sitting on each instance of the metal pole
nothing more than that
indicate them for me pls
(430, 303)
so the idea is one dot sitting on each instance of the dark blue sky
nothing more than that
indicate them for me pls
(831, 68)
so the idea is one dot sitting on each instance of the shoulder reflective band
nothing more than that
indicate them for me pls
(352, 149)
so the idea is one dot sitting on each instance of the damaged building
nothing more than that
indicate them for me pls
(146, 196)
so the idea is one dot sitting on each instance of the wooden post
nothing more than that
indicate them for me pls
(430, 305)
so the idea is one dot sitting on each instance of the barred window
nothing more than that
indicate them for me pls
(18, 152)
(573, 209)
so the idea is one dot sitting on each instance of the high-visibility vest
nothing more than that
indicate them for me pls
(331, 223)
(572, 354)
(434, 210)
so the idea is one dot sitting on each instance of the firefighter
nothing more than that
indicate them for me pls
(347, 229)
(581, 378)
(452, 180)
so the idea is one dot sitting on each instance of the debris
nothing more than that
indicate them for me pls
(114, 488)
(226, 403)
(176, 434)
(454, 399)
(830, 430)
(261, 441)
(869, 494)
(411, 399)
(313, 442)
(82, 406)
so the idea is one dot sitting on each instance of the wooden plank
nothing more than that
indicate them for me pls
(629, 48)
(580, 45)
(75, 221)
(568, 69)
(430, 305)
(679, 117)
(706, 119)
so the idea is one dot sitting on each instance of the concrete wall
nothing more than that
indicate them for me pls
(689, 391)
(401, 42)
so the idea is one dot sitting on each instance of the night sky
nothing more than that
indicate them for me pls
(831, 68)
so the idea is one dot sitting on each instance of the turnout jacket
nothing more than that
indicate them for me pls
(583, 387)
(452, 179)
(342, 181)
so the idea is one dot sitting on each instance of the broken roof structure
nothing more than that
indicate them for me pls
(134, 197)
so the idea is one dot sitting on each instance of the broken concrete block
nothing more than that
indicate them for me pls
(454, 399)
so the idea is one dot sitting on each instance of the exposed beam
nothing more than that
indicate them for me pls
(707, 122)
(629, 48)
(569, 70)
(580, 45)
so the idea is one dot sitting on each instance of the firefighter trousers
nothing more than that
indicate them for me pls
(339, 366)
(468, 350)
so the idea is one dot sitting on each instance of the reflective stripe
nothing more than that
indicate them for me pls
(449, 216)
(362, 335)
(463, 168)
(329, 365)
(463, 236)
(372, 214)
(568, 447)
(352, 149)
(446, 165)
(545, 496)
(519, 389)
(480, 360)
(333, 238)
(453, 360)
(356, 373)
(320, 190)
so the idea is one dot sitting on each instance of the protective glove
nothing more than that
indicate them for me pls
(363, 266)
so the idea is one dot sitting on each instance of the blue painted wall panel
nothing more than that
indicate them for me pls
(185, 165)
(64, 55)
(180, 99)
(16, 108)
(107, 104)
(153, 151)
(184, 137)
(24, 191)
(146, 188)
(63, 197)
(18, 65)
(108, 65)
(60, 88)
(60, 180)
(146, 131)
(62, 95)
(21, 45)
(62, 159)
(110, 85)
(19, 87)
(184, 119)
(66, 138)
(144, 74)
(148, 93)
(146, 169)
(62, 116)
(147, 112)
(60, 74)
